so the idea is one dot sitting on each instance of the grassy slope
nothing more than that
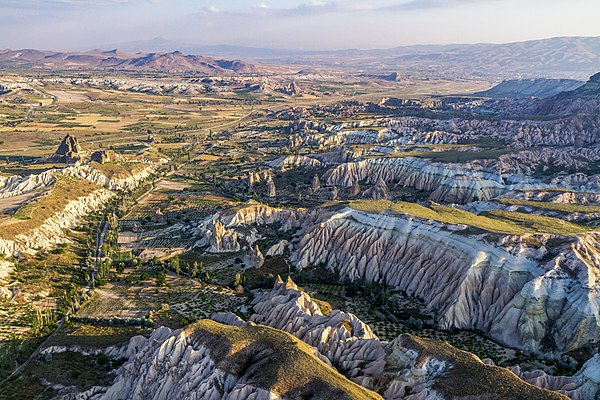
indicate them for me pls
(563, 207)
(496, 221)
(32, 215)
(471, 379)
(275, 360)
(117, 170)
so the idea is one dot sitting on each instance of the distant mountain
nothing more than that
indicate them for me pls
(563, 57)
(172, 62)
(583, 100)
(520, 88)
(162, 45)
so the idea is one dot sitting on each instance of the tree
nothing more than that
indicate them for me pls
(161, 279)
(175, 265)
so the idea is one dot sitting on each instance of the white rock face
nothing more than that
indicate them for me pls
(177, 367)
(470, 283)
(279, 248)
(203, 362)
(17, 185)
(254, 258)
(379, 191)
(260, 214)
(220, 239)
(341, 337)
(51, 232)
(448, 184)
(6, 268)
(286, 162)
(584, 385)
(87, 172)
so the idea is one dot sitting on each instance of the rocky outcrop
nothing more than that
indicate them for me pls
(68, 151)
(260, 214)
(125, 181)
(378, 191)
(209, 360)
(316, 183)
(447, 183)
(271, 190)
(255, 178)
(254, 258)
(585, 384)
(16, 185)
(341, 337)
(279, 248)
(221, 240)
(407, 368)
(470, 283)
(355, 189)
(295, 162)
(101, 157)
(434, 370)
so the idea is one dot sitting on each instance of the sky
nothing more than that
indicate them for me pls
(290, 24)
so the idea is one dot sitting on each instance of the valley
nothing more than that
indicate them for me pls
(237, 231)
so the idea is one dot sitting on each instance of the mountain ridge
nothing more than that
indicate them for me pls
(172, 62)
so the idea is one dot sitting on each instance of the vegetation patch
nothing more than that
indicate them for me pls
(496, 221)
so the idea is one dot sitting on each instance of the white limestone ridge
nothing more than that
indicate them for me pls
(407, 368)
(279, 248)
(18, 185)
(6, 268)
(261, 214)
(341, 337)
(458, 184)
(219, 238)
(447, 183)
(584, 385)
(51, 231)
(292, 161)
(470, 283)
(210, 361)
(131, 181)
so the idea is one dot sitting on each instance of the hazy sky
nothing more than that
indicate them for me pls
(293, 24)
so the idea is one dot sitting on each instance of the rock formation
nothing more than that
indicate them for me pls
(101, 157)
(52, 231)
(279, 248)
(199, 362)
(316, 183)
(341, 337)
(68, 151)
(446, 183)
(271, 190)
(378, 191)
(334, 193)
(585, 384)
(254, 258)
(470, 283)
(295, 162)
(355, 189)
